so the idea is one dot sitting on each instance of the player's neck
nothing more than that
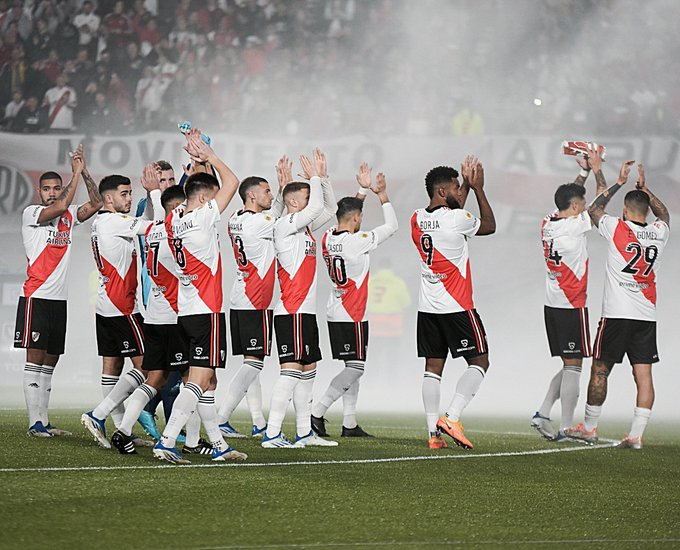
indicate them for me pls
(342, 227)
(436, 203)
(253, 207)
(193, 205)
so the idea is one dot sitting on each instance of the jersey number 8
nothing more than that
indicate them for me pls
(178, 250)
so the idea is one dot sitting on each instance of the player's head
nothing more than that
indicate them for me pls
(201, 188)
(636, 205)
(50, 187)
(350, 213)
(256, 193)
(172, 197)
(442, 186)
(116, 193)
(167, 174)
(296, 195)
(570, 199)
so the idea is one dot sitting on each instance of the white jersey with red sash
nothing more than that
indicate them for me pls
(633, 258)
(48, 248)
(566, 260)
(161, 308)
(440, 235)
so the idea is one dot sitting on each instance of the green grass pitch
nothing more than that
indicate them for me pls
(508, 491)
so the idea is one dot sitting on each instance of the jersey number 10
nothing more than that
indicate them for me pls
(336, 269)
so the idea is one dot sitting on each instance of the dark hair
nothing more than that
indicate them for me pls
(111, 183)
(294, 186)
(568, 192)
(441, 175)
(49, 176)
(637, 200)
(172, 193)
(347, 206)
(164, 165)
(247, 184)
(200, 181)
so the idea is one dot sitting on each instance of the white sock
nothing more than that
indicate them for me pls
(302, 401)
(281, 396)
(640, 419)
(135, 405)
(126, 384)
(193, 429)
(254, 400)
(108, 382)
(431, 397)
(592, 416)
(552, 395)
(466, 389)
(349, 406)
(45, 392)
(238, 387)
(32, 391)
(338, 386)
(183, 407)
(206, 410)
(569, 392)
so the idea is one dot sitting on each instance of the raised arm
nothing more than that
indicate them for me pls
(488, 221)
(658, 208)
(594, 162)
(364, 181)
(152, 183)
(585, 171)
(330, 203)
(314, 207)
(59, 206)
(284, 175)
(466, 171)
(88, 209)
(597, 207)
(389, 228)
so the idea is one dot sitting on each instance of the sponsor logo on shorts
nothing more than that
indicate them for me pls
(179, 356)
(284, 348)
(253, 342)
(17, 336)
(346, 346)
(126, 344)
(35, 335)
(571, 345)
(199, 351)
(464, 345)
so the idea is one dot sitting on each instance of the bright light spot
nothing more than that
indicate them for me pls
(537, 102)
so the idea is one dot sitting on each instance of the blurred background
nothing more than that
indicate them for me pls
(402, 85)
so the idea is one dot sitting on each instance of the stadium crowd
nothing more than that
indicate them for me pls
(335, 67)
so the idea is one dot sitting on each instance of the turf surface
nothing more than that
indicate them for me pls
(595, 497)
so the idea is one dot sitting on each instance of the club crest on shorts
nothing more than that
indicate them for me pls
(464, 343)
(253, 342)
(35, 335)
(572, 345)
(178, 356)
(199, 351)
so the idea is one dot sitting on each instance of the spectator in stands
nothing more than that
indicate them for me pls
(31, 118)
(87, 22)
(61, 101)
(13, 108)
(102, 118)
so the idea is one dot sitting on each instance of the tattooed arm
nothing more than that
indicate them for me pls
(88, 209)
(596, 209)
(63, 201)
(658, 208)
(594, 163)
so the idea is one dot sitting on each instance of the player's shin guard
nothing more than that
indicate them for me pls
(552, 395)
(32, 391)
(238, 387)
(254, 400)
(640, 419)
(302, 401)
(339, 385)
(45, 391)
(184, 407)
(466, 389)
(135, 405)
(126, 384)
(206, 410)
(431, 398)
(281, 396)
(569, 392)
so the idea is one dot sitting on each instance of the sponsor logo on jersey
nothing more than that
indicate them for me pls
(34, 336)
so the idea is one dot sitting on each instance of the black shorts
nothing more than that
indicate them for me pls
(460, 333)
(41, 324)
(297, 338)
(120, 336)
(348, 340)
(251, 331)
(166, 348)
(634, 338)
(568, 332)
(206, 336)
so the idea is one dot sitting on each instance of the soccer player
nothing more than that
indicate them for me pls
(345, 250)
(41, 312)
(250, 318)
(309, 206)
(194, 242)
(447, 318)
(628, 323)
(563, 234)
(118, 321)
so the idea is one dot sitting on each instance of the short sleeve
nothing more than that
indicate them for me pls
(31, 215)
(465, 222)
(607, 226)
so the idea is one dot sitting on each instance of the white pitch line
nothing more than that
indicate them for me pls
(308, 462)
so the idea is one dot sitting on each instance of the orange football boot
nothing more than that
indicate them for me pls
(455, 430)
(437, 442)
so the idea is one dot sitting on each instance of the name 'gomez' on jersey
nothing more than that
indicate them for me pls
(48, 248)
(633, 257)
(440, 236)
(252, 237)
(566, 260)
(161, 308)
(194, 243)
